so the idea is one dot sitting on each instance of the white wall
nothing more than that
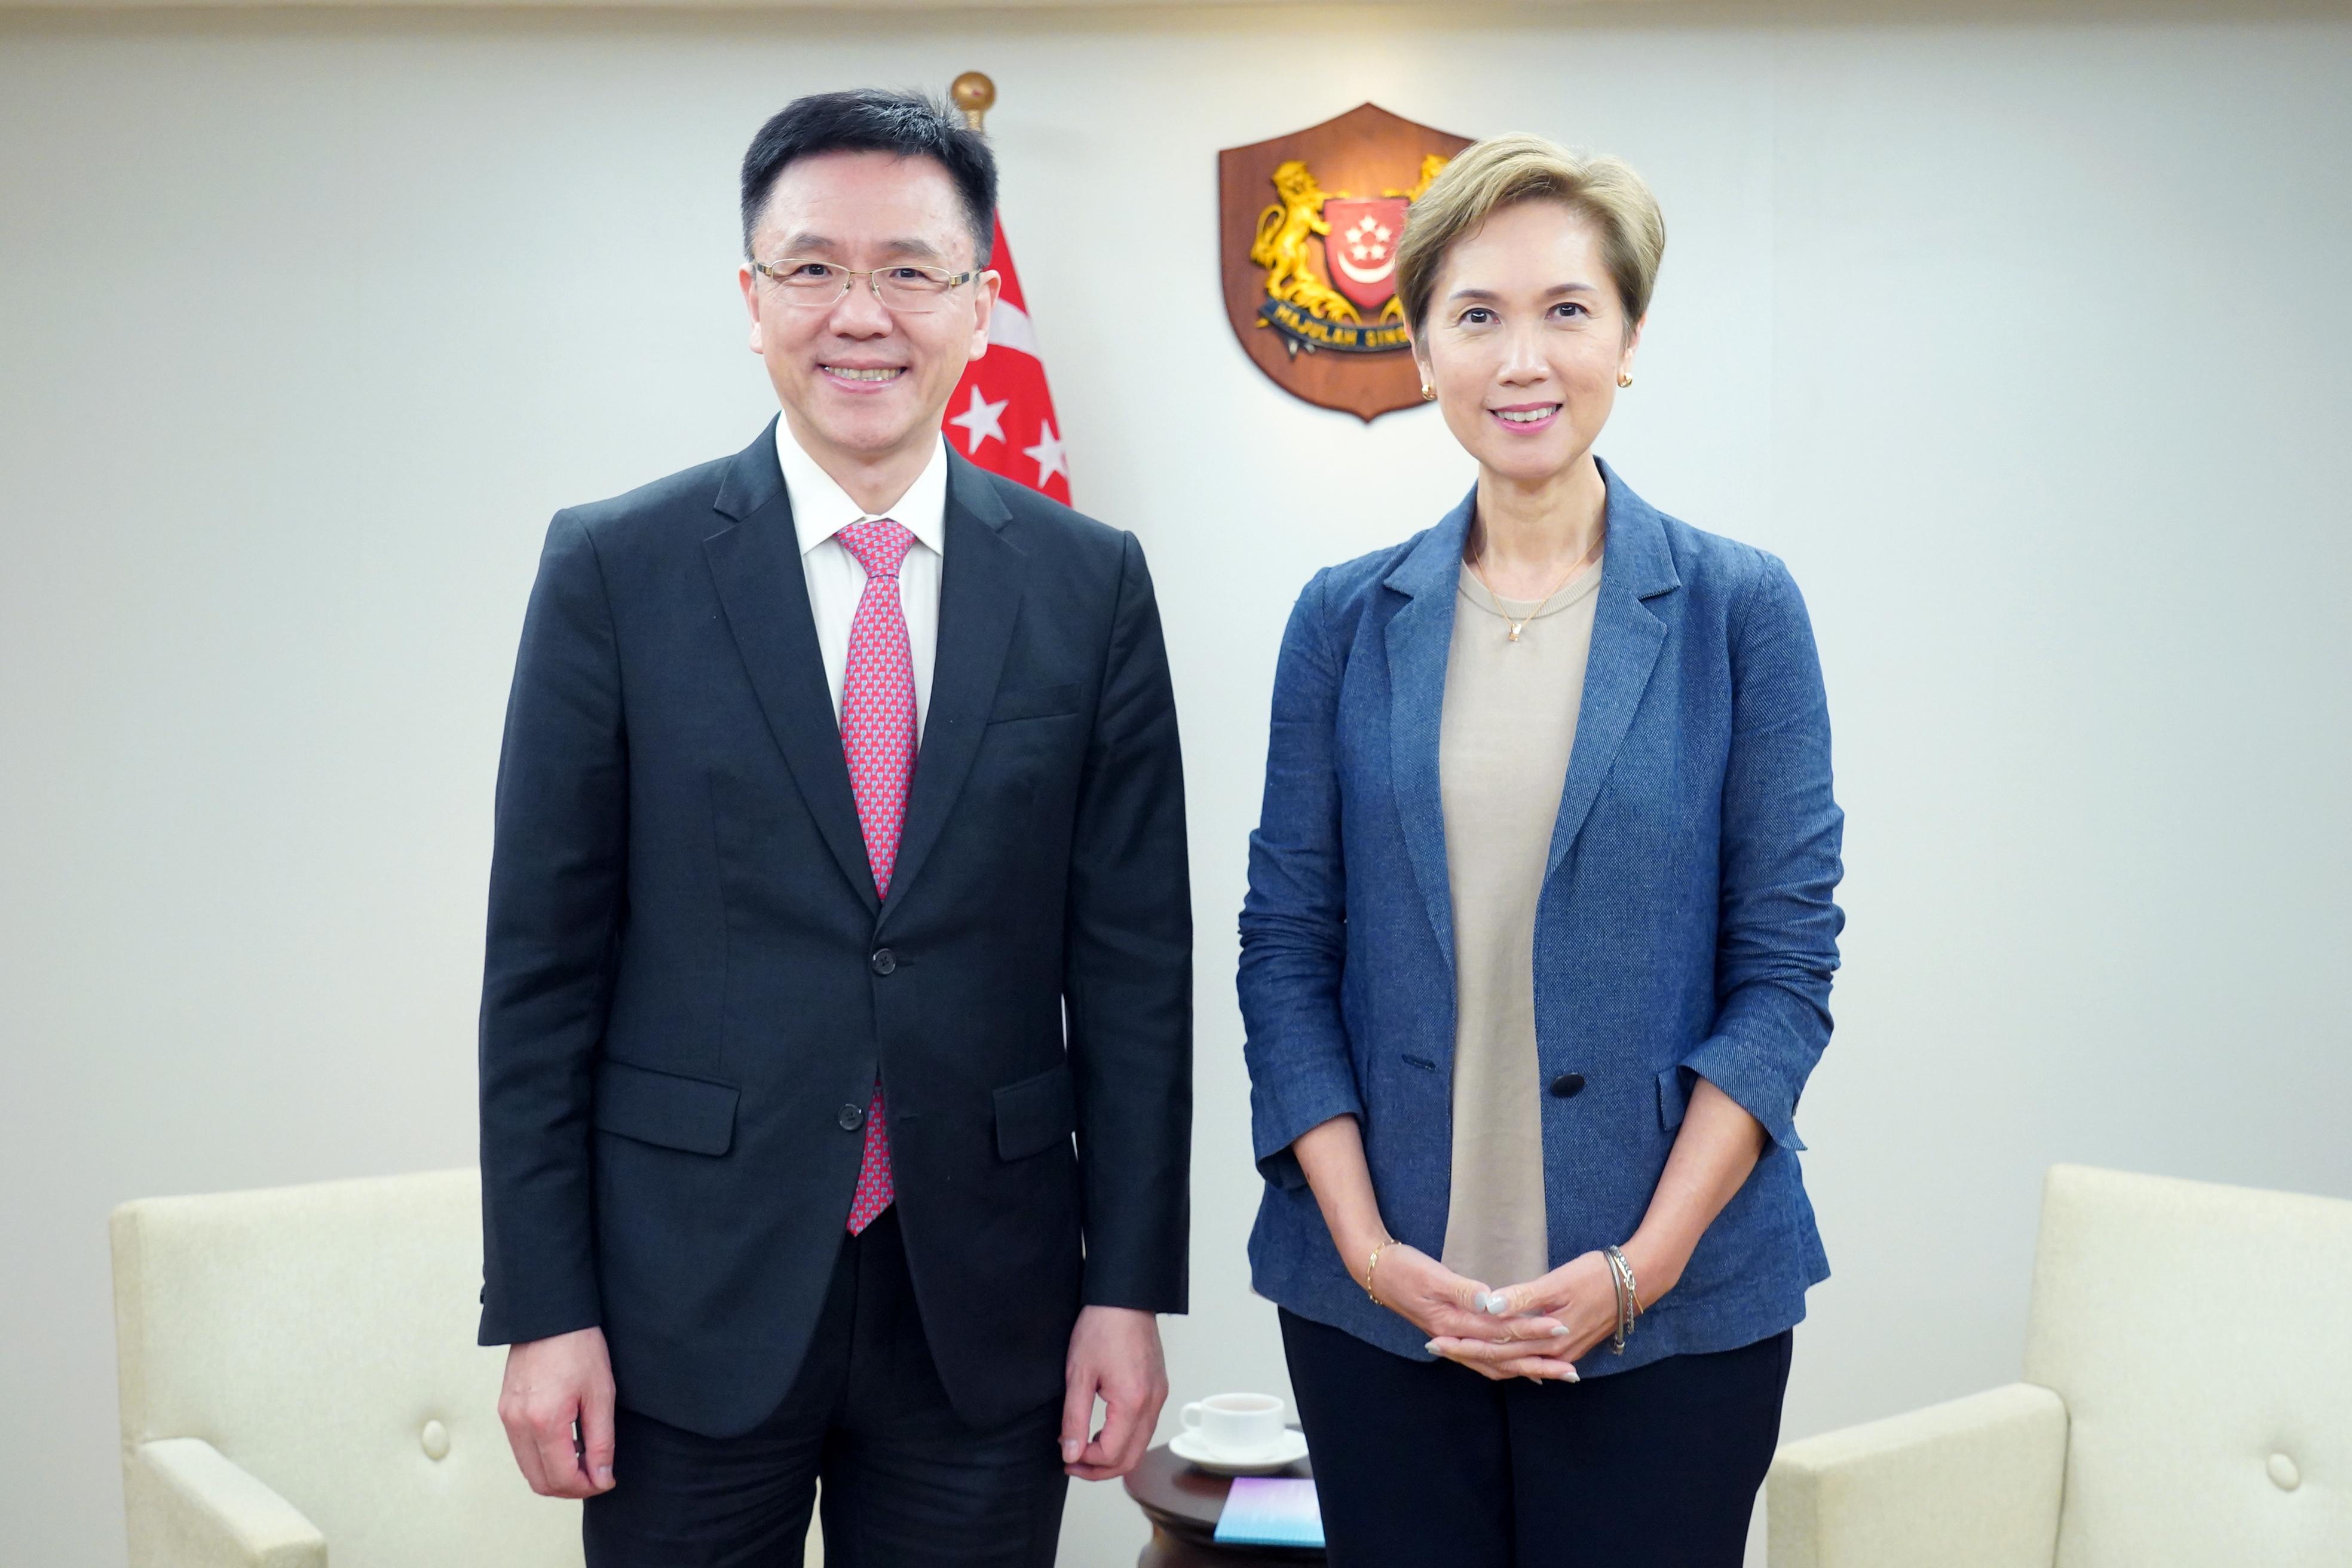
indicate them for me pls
(2028, 349)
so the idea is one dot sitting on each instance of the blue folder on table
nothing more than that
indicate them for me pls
(1270, 1510)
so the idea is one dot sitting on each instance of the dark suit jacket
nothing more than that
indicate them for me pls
(690, 986)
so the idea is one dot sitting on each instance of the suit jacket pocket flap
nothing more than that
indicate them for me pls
(689, 1114)
(1036, 1113)
(1034, 702)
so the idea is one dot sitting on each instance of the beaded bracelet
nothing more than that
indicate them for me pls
(1371, 1266)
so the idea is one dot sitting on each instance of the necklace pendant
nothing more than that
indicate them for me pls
(1515, 631)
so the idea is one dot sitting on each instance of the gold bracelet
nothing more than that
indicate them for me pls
(1374, 1263)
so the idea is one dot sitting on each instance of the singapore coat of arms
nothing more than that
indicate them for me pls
(1310, 224)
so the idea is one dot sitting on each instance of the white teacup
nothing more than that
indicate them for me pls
(1236, 1425)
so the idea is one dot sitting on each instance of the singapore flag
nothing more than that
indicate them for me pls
(1001, 415)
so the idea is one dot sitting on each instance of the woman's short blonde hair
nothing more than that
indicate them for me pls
(1503, 171)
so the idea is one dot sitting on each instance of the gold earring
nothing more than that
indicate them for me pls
(1625, 380)
(1426, 394)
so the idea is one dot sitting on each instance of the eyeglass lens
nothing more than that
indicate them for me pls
(816, 283)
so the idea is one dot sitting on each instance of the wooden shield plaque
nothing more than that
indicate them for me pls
(1308, 230)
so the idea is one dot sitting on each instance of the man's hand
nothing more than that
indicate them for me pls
(550, 1384)
(1114, 1352)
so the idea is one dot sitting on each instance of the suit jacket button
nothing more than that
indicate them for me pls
(882, 961)
(852, 1118)
(1568, 1084)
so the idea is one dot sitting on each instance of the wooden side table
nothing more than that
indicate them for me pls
(1182, 1502)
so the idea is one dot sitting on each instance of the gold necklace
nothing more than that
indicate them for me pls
(1520, 625)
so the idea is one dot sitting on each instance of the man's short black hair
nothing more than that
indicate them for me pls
(869, 120)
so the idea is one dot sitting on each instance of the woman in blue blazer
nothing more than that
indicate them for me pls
(1537, 953)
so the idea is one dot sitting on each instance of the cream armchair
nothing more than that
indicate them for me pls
(2187, 1404)
(297, 1369)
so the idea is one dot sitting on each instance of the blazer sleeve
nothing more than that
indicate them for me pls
(1777, 930)
(1293, 922)
(556, 899)
(1128, 972)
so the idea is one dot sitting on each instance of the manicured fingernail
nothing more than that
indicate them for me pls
(1560, 1330)
(603, 1475)
(1491, 1303)
(1569, 1376)
(1070, 1451)
(1431, 1347)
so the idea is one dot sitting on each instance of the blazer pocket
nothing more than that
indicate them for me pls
(1034, 702)
(1036, 1113)
(662, 1108)
(1674, 1097)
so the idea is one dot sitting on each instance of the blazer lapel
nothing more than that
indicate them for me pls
(979, 600)
(1636, 565)
(755, 562)
(1418, 639)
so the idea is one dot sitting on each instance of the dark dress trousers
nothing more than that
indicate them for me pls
(1424, 1464)
(691, 988)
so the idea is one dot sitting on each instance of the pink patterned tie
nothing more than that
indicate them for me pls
(878, 738)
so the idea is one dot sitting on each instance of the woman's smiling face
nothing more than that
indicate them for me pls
(1525, 340)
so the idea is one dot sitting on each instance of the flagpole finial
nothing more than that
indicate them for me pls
(975, 95)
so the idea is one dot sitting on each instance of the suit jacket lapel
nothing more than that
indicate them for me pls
(1636, 565)
(1420, 636)
(756, 565)
(979, 600)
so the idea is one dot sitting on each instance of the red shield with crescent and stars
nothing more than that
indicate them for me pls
(1361, 250)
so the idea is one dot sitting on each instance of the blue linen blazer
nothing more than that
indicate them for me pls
(1686, 926)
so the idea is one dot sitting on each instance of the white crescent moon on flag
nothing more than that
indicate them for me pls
(1009, 327)
(1375, 275)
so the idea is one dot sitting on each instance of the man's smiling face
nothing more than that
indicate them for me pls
(860, 382)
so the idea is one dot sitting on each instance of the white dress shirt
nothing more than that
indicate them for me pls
(822, 508)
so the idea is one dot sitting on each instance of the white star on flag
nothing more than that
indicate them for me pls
(981, 421)
(1007, 393)
(1047, 453)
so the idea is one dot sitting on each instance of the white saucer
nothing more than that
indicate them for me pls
(1188, 1446)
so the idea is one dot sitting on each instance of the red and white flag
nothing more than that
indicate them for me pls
(1001, 415)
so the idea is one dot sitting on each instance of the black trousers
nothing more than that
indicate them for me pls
(907, 1484)
(1429, 1465)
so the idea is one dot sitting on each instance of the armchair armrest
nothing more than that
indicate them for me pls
(190, 1506)
(1973, 1483)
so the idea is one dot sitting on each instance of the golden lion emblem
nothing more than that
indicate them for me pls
(1281, 243)
(1281, 246)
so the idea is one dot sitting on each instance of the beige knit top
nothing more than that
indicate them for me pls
(1503, 747)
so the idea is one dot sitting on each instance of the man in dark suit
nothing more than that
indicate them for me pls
(840, 880)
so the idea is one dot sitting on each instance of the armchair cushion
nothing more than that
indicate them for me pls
(321, 1339)
(2199, 1335)
(323, 1336)
(1973, 1483)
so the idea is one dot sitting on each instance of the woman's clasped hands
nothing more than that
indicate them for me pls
(1535, 1330)
(1538, 1329)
